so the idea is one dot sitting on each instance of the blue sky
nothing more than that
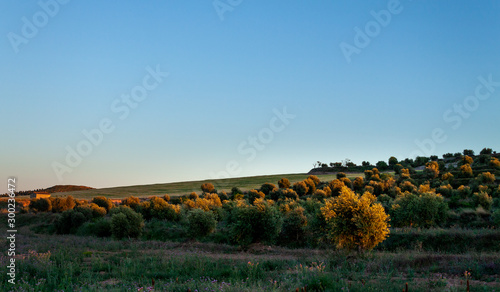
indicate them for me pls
(232, 73)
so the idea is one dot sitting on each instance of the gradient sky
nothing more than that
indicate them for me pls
(230, 71)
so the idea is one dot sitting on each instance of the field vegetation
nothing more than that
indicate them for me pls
(435, 229)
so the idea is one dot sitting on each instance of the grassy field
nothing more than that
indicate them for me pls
(184, 188)
(77, 263)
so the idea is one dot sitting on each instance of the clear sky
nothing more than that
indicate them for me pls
(253, 87)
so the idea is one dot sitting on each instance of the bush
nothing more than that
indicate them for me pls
(200, 223)
(254, 194)
(208, 188)
(104, 202)
(300, 188)
(62, 204)
(69, 221)
(284, 183)
(253, 223)
(358, 184)
(315, 179)
(424, 210)
(267, 188)
(432, 170)
(294, 226)
(482, 199)
(336, 186)
(126, 223)
(311, 186)
(486, 178)
(132, 202)
(40, 205)
(160, 209)
(354, 221)
(99, 228)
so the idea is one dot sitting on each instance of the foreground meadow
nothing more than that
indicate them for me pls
(83, 263)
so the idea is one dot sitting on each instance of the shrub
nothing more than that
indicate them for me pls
(368, 174)
(445, 190)
(464, 191)
(486, 178)
(300, 188)
(447, 177)
(347, 182)
(432, 169)
(193, 196)
(104, 202)
(166, 197)
(495, 163)
(235, 191)
(200, 223)
(284, 183)
(267, 188)
(315, 179)
(336, 186)
(132, 202)
(467, 160)
(69, 221)
(340, 175)
(253, 195)
(41, 205)
(319, 195)
(97, 211)
(424, 210)
(284, 194)
(311, 186)
(407, 186)
(126, 223)
(397, 168)
(358, 184)
(354, 221)
(208, 188)
(62, 204)
(160, 209)
(253, 223)
(293, 230)
(483, 199)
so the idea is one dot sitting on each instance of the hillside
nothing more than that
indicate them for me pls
(183, 188)
(66, 188)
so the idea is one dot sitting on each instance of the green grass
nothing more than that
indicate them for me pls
(184, 188)
(74, 263)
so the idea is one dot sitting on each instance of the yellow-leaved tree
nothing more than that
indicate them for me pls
(355, 222)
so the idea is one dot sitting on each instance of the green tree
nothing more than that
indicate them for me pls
(382, 165)
(393, 161)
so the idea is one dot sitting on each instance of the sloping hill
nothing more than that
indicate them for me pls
(66, 188)
(184, 188)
